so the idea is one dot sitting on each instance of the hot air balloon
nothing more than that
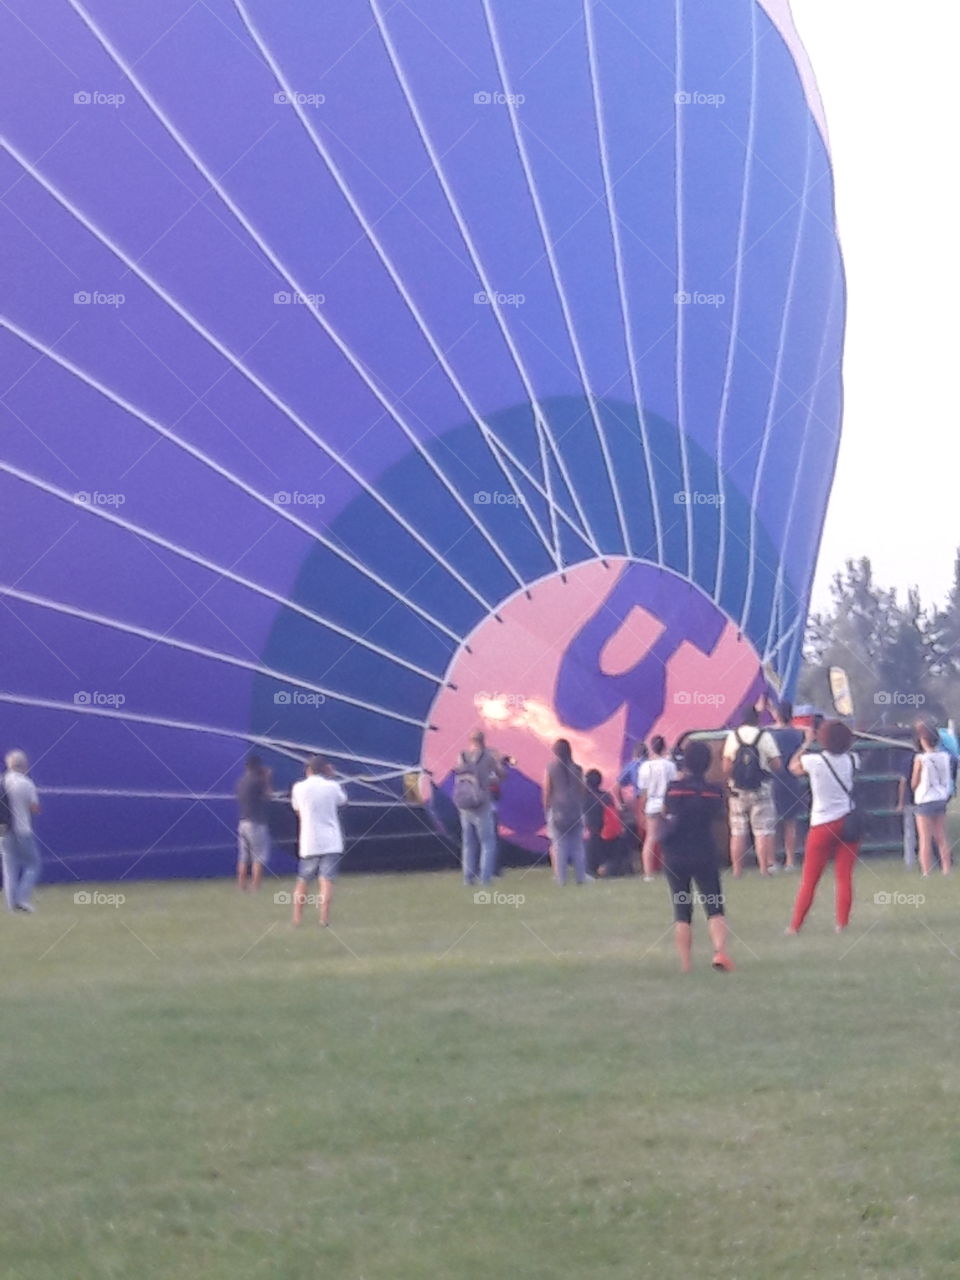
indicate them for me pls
(373, 372)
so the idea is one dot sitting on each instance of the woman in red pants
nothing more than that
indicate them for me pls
(831, 772)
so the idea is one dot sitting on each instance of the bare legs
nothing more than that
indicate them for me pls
(764, 846)
(649, 852)
(765, 853)
(718, 933)
(683, 938)
(931, 838)
(789, 843)
(738, 847)
(299, 900)
(249, 875)
(324, 899)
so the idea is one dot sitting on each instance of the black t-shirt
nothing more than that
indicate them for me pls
(907, 774)
(696, 804)
(593, 811)
(253, 797)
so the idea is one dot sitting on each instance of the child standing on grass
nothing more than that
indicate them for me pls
(317, 799)
(690, 808)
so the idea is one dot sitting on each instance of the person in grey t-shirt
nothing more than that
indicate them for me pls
(21, 861)
(254, 791)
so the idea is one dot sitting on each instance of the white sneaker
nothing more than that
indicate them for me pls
(648, 879)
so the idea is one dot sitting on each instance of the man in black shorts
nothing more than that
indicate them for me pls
(691, 806)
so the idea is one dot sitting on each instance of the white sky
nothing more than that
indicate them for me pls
(887, 74)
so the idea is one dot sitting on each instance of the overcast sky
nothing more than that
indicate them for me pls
(887, 74)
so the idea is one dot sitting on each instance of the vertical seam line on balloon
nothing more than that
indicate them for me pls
(586, 532)
(625, 310)
(554, 266)
(724, 407)
(484, 427)
(681, 274)
(775, 382)
(435, 347)
(542, 427)
(805, 437)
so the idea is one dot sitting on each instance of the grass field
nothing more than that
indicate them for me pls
(436, 1088)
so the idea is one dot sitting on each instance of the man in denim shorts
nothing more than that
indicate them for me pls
(317, 799)
(752, 809)
(254, 791)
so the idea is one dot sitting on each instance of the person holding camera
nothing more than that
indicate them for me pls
(835, 825)
(318, 799)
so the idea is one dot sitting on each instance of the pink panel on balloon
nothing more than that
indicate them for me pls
(588, 660)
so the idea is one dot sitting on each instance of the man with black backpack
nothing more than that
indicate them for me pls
(750, 758)
(477, 773)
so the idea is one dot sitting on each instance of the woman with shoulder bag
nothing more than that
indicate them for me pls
(835, 824)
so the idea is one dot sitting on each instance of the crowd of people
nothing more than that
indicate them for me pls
(662, 816)
(772, 777)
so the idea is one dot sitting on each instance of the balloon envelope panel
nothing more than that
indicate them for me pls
(342, 344)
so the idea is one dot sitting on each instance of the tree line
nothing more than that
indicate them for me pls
(901, 657)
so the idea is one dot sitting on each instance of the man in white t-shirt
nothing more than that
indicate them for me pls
(318, 799)
(21, 861)
(750, 758)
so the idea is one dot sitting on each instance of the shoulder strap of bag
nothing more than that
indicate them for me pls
(847, 790)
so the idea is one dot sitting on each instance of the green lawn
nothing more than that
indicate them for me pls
(434, 1088)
